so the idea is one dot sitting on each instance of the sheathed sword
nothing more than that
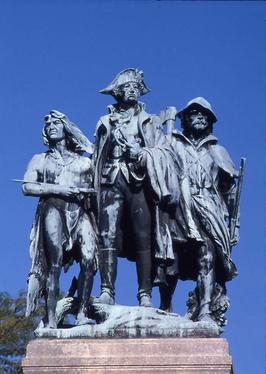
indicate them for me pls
(235, 214)
(81, 189)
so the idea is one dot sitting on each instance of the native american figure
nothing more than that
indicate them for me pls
(63, 230)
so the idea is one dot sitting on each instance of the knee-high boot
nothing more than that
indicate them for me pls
(143, 264)
(108, 272)
(167, 292)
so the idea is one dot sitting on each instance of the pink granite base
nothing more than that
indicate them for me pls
(160, 355)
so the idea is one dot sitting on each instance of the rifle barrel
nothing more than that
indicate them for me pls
(81, 189)
(237, 200)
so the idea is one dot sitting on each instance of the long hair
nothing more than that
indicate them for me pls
(76, 141)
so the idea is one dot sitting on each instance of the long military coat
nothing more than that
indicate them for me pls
(211, 175)
(161, 180)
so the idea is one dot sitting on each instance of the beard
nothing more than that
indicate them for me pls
(199, 126)
(198, 129)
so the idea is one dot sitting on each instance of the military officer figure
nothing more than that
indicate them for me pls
(126, 139)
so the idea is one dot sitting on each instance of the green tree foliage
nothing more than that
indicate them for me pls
(15, 330)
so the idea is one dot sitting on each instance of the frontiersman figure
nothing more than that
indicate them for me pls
(63, 229)
(133, 175)
(208, 193)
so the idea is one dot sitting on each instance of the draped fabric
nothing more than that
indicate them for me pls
(161, 181)
(213, 223)
(161, 174)
(208, 173)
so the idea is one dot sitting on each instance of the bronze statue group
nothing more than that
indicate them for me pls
(166, 199)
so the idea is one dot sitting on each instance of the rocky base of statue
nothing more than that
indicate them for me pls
(219, 305)
(121, 321)
(142, 355)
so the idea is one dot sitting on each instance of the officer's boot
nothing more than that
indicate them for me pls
(167, 292)
(108, 271)
(143, 264)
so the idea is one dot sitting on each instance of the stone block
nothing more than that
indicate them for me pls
(148, 355)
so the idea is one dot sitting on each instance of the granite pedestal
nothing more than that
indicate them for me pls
(136, 355)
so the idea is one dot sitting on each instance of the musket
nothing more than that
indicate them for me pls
(80, 189)
(235, 213)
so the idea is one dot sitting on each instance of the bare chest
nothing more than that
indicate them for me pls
(72, 172)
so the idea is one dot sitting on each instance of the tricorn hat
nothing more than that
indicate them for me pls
(126, 76)
(199, 102)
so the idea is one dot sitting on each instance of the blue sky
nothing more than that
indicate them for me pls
(59, 54)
